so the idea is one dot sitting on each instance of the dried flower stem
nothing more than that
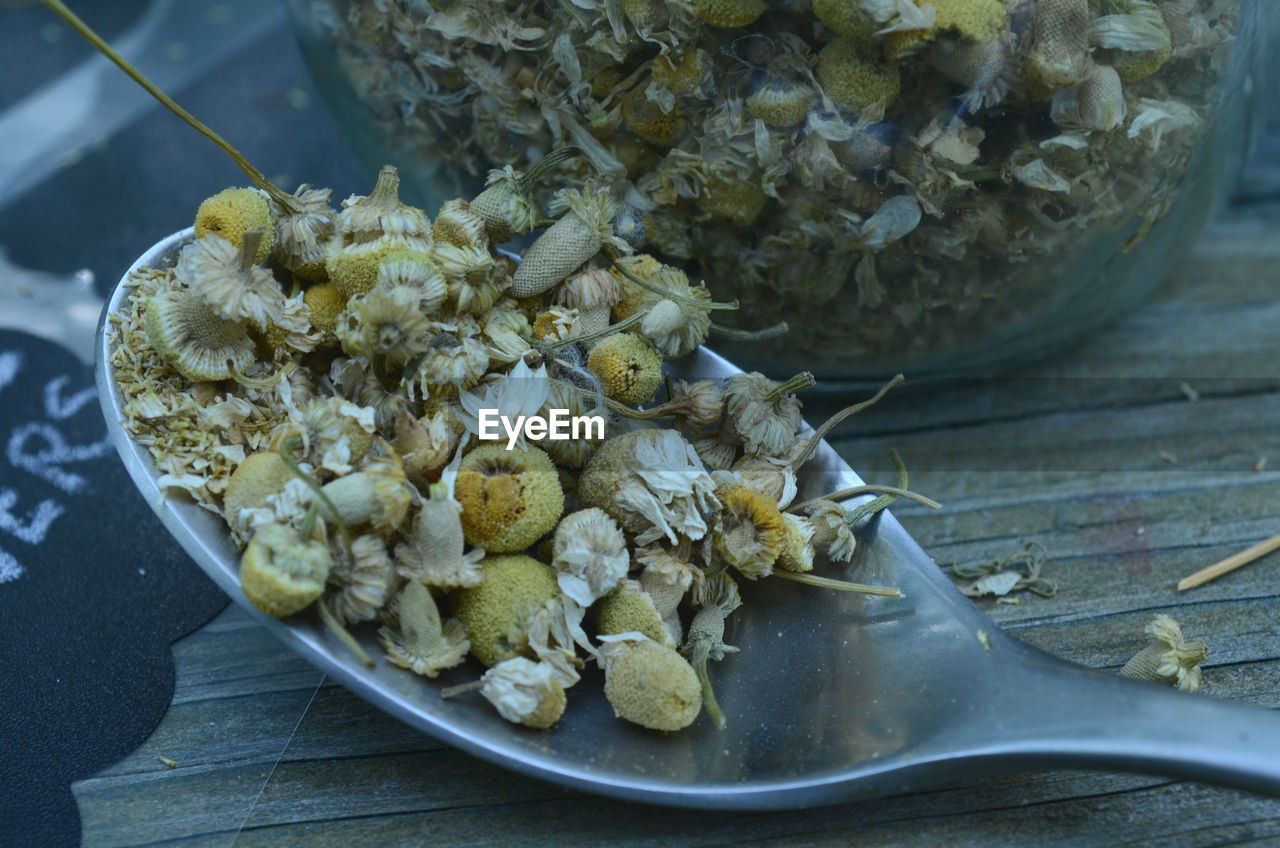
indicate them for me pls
(882, 502)
(461, 689)
(839, 585)
(252, 383)
(586, 337)
(1229, 564)
(800, 382)
(341, 633)
(869, 489)
(737, 335)
(672, 296)
(546, 163)
(821, 432)
(255, 176)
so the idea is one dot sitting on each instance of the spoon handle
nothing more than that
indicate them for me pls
(1084, 718)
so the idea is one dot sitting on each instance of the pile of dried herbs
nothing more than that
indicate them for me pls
(321, 380)
(892, 176)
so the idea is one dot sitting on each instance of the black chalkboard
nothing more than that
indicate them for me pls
(92, 592)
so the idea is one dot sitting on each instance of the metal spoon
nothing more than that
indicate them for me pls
(833, 696)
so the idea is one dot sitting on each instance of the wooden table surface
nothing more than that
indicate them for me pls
(1099, 454)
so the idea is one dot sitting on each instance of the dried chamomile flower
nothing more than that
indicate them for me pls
(704, 402)
(364, 584)
(290, 329)
(509, 498)
(677, 327)
(1096, 104)
(670, 566)
(845, 18)
(381, 214)
(224, 277)
(233, 212)
(556, 324)
(735, 198)
(797, 549)
(831, 531)
(647, 120)
(770, 476)
(422, 643)
(371, 228)
(726, 13)
(706, 636)
(379, 495)
(578, 405)
(509, 332)
(781, 101)
(325, 302)
(183, 332)
(748, 530)
(628, 367)
(495, 611)
(452, 361)
(424, 444)
(715, 450)
(1056, 45)
(384, 322)
(554, 633)
(592, 291)
(303, 232)
(589, 554)
(1170, 660)
(437, 556)
(570, 242)
(524, 692)
(336, 433)
(415, 269)
(260, 475)
(470, 273)
(649, 684)
(653, 483)
(457, 225)
(280, 573)
(979, 21)
(852, 77)
(628, 608)
(505, 205)
(761, 415)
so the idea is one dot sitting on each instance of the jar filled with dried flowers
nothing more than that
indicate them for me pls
(936, 186)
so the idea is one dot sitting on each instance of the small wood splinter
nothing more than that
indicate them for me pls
(1230, 564)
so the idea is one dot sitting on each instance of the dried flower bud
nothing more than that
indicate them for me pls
(525, 692)
(303, 232)
(282, 574)
(495, 611)
(233, 212)
(509, 498)
(628, 367)
(630, 609)
(852, 78)
(1170, 660)
(650, 684)
(589, 554)
(422, 643)
(748, 530)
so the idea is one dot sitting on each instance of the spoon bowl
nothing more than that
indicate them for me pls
(833, 696)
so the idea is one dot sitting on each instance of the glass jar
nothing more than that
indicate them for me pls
(940, 187)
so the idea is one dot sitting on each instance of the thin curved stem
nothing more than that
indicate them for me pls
(839, 585)
(821, 432)
(708, 305)
(255, 176)
(854, 491)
